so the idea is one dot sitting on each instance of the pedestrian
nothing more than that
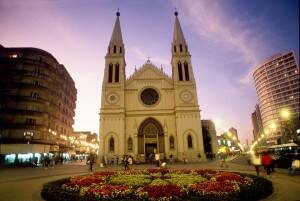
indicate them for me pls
(294, 167)
(125, 161)
(91, 161)
(256, 162)
(223, 157)
(266, 160)
(130, 162)
(157, 159)
(184, 158)
(171, 159)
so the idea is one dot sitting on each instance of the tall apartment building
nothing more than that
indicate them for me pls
(277, 87)
(37, 102)
(256, 122)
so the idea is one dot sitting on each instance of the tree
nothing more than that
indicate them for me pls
(206, 140)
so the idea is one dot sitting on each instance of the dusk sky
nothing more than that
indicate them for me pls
(226, 39)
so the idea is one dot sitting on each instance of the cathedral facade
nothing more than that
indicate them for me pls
(150, 112)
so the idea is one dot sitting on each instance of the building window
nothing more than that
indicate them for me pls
(180, 72)
(110, 73)
(186, 71)
(174, 48)
(115, 49)
(180, 47)
(30, 122)
(190, 141)
(129, 144)
(172, 144)
(149, 96)
(117, 73)
(121, 50)
(111, 144)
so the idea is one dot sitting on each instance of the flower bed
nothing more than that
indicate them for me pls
(159, 184)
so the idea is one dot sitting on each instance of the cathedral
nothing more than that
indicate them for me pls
(150, 112)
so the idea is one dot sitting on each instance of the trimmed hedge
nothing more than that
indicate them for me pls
(260, 189)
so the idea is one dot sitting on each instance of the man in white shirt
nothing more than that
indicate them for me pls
(295, 166)
(157, 159)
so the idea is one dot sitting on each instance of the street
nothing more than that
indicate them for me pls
(25, 184)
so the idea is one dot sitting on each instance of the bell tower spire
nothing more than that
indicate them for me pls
(116, 45)
(182, 70)
(115, 56)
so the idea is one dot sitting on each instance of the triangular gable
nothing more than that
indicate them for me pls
(148, 71)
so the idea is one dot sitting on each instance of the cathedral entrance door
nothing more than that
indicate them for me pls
(150, 138)
(150, 149)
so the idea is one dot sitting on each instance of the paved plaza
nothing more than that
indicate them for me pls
(25, 184)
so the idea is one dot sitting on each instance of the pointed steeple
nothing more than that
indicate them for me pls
(178, 37)
(179, 44)
(116, 37)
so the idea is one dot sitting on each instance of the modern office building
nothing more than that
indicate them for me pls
(277, 86)
(37, 104)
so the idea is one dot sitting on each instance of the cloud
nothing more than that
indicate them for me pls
(208, 19)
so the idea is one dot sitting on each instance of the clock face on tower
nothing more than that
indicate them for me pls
(149, 96)
(186, 96)
(112, 98)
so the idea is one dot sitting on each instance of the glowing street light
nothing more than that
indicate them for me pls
(285, 113)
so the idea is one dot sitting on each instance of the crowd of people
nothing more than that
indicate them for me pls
(266, 160)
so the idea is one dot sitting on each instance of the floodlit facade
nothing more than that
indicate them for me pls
(37, 103)
(277, 86)
(150, 112)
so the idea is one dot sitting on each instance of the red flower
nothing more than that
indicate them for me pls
(227, 176)
(82, 181)
(214, 187)
(205, 171)
(163, 191)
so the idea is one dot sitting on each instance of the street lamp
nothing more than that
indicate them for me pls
(28, 135)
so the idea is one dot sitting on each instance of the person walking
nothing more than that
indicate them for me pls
(125, 160)
(130, 162)
(91, 161)
(157, 159)
(295, 166)
(256, 162)
(223, 157)
(266, 160)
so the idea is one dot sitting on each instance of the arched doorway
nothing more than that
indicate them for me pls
(150, 137)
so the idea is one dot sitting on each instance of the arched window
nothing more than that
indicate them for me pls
(186, 71)
(117, 73)
(174, 48)
(190, 141)
(180, 47)
(111, 144)
(121, 50)
(172, 145)
(180, 71)
(115, 49)
(129, 144)
(110, 73)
